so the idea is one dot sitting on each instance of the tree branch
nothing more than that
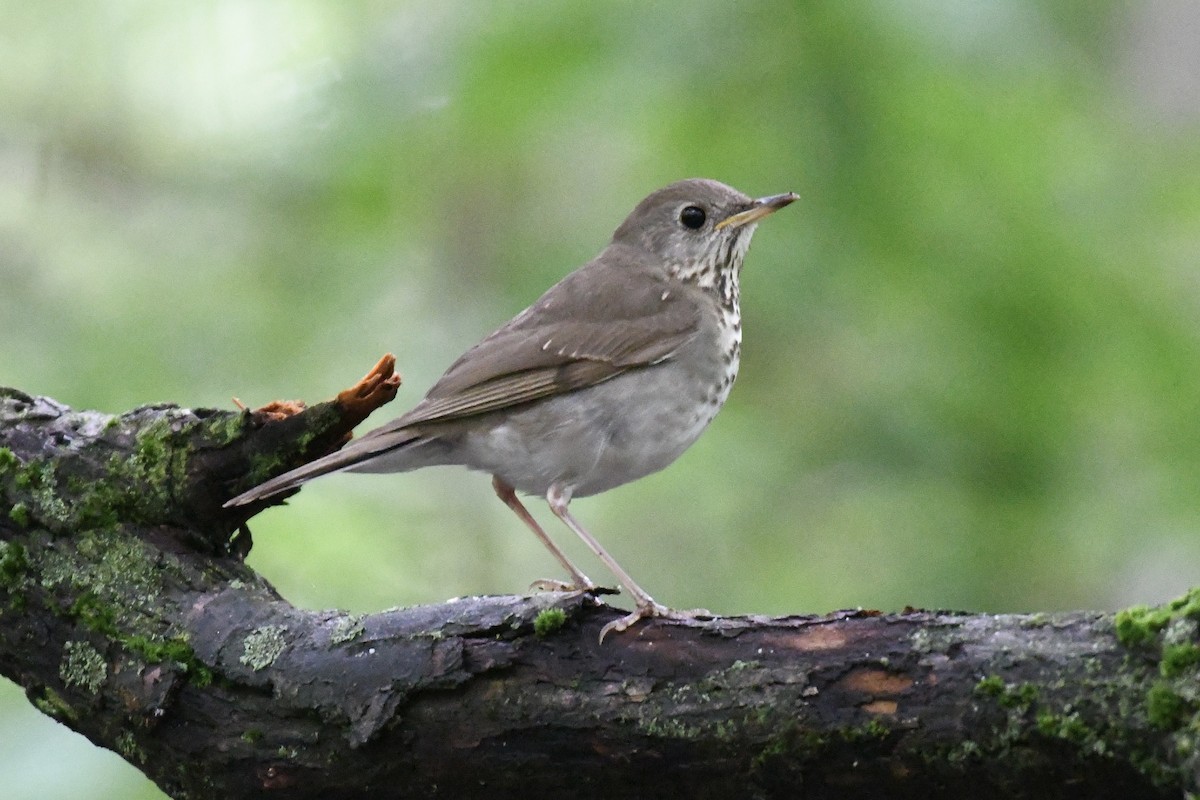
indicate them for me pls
(127, 614)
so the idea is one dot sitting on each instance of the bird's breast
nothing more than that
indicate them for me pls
(729, 346)
(651, 416)
(619, 430)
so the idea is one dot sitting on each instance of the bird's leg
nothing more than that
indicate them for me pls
(509, 496)
(559, 497)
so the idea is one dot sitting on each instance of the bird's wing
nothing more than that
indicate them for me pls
(576, 335)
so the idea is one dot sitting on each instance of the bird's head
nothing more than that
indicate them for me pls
(700, 228)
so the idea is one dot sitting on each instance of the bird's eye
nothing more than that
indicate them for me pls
(692, 217)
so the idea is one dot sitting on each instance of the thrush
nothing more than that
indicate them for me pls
(609, 376)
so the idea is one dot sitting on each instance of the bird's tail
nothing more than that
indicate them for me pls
(348, 457)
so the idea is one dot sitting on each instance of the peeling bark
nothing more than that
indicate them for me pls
(127, 614)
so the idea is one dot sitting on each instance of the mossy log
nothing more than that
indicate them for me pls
(127, 613)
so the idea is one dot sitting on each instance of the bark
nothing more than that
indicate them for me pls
(127, 613)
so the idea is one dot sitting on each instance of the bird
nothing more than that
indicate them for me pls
(608, 377)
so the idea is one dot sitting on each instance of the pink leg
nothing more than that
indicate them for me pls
(509, 496)
(559, 498)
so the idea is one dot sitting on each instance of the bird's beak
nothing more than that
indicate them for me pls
(758, 209)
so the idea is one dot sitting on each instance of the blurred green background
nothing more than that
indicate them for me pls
(971, 370)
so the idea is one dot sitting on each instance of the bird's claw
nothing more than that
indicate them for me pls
(656, 610)
(555, 585)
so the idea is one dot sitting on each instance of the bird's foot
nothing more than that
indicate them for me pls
(648, 609)
(555, 585)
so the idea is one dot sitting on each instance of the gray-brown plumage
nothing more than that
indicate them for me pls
(608, 377)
